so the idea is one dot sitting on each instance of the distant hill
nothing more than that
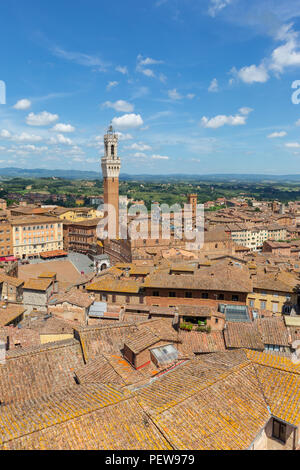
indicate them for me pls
(44, 173)
(78, 174)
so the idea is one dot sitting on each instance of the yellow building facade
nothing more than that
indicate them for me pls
(75, 214)
(33, 235)
(273, 301)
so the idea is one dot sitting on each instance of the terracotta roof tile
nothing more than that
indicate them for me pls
(37, 284)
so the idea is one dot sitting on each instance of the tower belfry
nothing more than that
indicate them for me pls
(111, 165)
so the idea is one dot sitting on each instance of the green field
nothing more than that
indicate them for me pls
(169, 192)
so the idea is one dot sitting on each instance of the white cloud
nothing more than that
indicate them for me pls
(122, 70)
(128, 121)
(217, 5)
(148, 60)
(190, 96)
(162, 78)
(120, 105)
(283, 56)
(64, 128)
(293, 145)
(274, 135)
(42, 119)
(159, 115)
(22, 104)
(213, 87)
(139, 146)
(222, 120)
(245, 110)
(174, 95)
(252, 74)
(32, 148)
(287, 54)
(148, 72)
(124, 136)
(144, 62)
(81, 59)
(5, 134)
(297, 123)
(61, 139)
(25, 137)
(111, 85)
(140, 155)
(160, 157)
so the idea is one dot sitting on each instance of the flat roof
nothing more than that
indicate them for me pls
(291, 321)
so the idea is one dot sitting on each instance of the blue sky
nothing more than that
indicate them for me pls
(192, 86)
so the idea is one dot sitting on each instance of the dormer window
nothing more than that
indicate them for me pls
(279, 430)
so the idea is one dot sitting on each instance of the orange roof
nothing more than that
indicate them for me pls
(9, 313)
(47, 275)
(37, 284)
(53, 254)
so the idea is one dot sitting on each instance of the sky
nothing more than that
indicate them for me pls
(191, 86)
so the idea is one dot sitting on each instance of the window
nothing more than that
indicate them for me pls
(235, 298)
(220, 297)
(275, 307)
(204, 295)
(287, 309)
(279, 430)
(141, 300)
(263, 305)
(251, 303)
(188, 295)
(127, 299)
(113, 298)
(155, 293)
(172, 294)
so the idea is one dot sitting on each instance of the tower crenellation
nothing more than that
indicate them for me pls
(111, 163)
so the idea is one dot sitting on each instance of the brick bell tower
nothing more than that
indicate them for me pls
(111, 165)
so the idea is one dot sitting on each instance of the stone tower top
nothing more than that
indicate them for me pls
(111, 163)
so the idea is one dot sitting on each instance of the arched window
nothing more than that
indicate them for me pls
(112, 150)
